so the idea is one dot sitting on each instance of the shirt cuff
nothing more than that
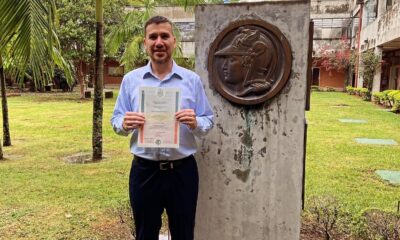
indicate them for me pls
(120, 130)
(201, 129)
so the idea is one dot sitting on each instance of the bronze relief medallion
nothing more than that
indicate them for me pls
(249, 62)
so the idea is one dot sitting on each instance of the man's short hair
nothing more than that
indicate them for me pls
(156, 20)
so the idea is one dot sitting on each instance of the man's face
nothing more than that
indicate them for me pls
(160, 42)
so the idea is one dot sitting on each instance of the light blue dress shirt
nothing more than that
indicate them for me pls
(192, 97)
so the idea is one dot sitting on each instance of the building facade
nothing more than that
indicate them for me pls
(333, 27)
(380, 32)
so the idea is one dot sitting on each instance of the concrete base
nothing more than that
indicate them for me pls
(251, 163)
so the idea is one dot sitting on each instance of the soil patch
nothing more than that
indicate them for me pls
(79, 158)
(308, 231)
(11, 157)
(113, 230)
(341, 105)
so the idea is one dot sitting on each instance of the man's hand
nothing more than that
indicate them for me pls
(133, 120)
(188, 117)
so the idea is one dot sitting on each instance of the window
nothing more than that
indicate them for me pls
(389, 4)
(371, 8)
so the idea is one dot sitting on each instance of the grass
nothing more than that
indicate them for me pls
(340, 167)
(42, 197)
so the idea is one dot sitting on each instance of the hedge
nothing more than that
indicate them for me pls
(396, 102)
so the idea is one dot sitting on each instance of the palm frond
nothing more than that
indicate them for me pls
(119, 36)
(187, 4)
(149, 6)
(63, 64)
(133, 54)
(28, 27)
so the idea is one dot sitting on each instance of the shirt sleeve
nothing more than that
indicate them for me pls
(122, 106)
(204, 114)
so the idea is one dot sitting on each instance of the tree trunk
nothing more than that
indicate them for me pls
(97, 138)
(4, 105)
(1, 153)
(81, 79)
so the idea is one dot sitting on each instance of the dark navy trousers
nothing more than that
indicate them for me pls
(151, 190)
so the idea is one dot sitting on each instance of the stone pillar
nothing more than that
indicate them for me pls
(376, 84)
(360, 81)
(251, 163)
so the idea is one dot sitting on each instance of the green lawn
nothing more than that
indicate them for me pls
(337, 165)
(42, 197)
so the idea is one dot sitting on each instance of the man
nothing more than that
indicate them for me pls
(163, 178)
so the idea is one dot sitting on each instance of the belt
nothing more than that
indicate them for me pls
(163, 165)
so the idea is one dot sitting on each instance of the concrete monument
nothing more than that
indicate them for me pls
(252, 58)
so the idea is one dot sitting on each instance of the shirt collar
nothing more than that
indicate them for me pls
(176, 70)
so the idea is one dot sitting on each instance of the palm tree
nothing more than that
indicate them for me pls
(28, 41)
(129, 37)
(6, 129)
(4, 107)
(97, 136)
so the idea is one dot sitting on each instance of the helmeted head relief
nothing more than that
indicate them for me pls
(257, 59)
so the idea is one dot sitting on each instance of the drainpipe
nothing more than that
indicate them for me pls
(361, 3)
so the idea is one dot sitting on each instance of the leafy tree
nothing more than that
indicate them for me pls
(334, 56)
(77, 23)
(28, 42)
(369, 63)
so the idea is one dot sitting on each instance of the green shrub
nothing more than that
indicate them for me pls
(365, 94)
(315, 88)
(350, 90)
(386, 92)
(396, 103)
(327, 216)
(357, 91)
(377, 97)
(377, 224)
(391, 95)
(330, 89)
(385, 98)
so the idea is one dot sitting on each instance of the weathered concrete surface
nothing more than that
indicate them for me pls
(250, 164)
(368, 36)
(330, 8)
(384, 31)
(389, 26)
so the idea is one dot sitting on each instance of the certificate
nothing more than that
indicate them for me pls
(159, 105)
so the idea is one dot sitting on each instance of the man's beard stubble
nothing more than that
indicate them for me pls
(161, 60)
